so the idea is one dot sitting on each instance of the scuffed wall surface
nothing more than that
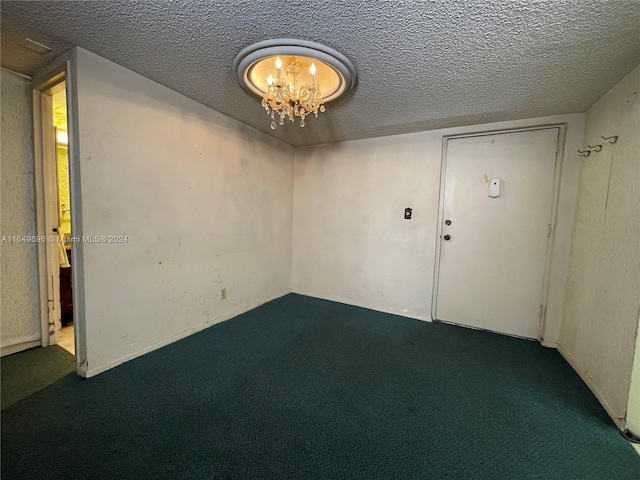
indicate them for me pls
(204, 202)
(603, 284)
(351, 242)
(19, 289)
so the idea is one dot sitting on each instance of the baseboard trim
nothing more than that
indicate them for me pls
(87, 372)
(546, 343)
(19, 347)
(592, 386)
(368, 307)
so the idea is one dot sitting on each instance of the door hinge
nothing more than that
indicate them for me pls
(541, 312)
(557, 145)
(549, 231)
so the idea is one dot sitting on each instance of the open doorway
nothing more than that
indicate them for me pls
(63, 204)
(57, 215)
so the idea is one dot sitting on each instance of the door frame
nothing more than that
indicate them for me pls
(553, 214)
(47, 188)
(64, 68)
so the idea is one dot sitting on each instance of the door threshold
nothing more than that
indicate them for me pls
(485, 330)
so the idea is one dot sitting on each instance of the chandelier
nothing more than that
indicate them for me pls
(287, 97)
(295, 78)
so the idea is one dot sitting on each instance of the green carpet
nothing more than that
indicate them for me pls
(305, 388)
(25, 373)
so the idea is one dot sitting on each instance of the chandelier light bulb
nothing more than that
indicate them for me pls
(312, 69)
(278, 63)
(270, 80)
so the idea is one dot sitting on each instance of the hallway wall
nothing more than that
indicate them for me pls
(19, 290)
(603, 284)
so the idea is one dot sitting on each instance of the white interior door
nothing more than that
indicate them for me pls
(493, 249)
(51, 217)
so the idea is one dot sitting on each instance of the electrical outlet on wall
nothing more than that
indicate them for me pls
(223, 293)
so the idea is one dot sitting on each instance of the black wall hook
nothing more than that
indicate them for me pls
(584, 153)
(611, 140)
(596, 148)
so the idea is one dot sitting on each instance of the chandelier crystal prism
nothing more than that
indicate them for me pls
(295, 78)
(286, 97)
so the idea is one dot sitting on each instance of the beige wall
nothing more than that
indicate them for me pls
(19, 277)
(205, 201)
(603, 284)
(350, 241)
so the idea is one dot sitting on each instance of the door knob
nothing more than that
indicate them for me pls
(447, 237)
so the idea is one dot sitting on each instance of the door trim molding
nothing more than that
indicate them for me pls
(553, 214)
(553, 221)
(41, 227)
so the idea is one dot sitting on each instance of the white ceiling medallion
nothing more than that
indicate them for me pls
(295, 78)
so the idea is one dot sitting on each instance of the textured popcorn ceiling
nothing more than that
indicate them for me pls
(421, 65)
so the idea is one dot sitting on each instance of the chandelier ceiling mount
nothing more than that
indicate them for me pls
(295, 78)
